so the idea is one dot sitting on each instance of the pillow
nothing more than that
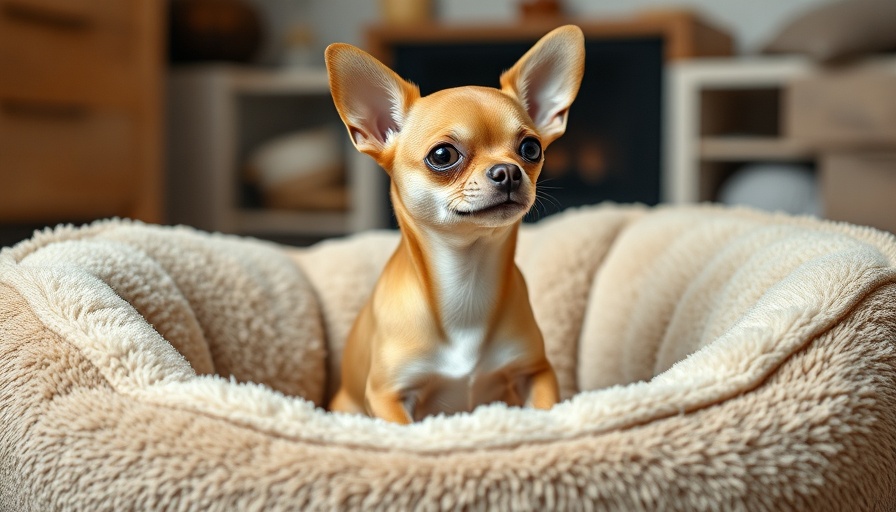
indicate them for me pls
(839, 30)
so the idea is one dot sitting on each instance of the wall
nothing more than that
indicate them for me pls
(750, 22)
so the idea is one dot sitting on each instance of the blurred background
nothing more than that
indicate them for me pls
(217, 114)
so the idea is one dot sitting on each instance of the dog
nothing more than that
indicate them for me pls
(449, 325)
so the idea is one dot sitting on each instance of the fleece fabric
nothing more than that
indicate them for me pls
(709, 359)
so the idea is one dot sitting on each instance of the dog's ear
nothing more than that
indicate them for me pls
(371, 99)
(546, 79)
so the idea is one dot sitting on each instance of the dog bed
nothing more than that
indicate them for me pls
(709, 359)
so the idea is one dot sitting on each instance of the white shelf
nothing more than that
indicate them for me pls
(284, 222)
(209, 131)
(686, 149)
(747, 148)
(253, 80)
(290, 82)
(745, 72)
(778, 99)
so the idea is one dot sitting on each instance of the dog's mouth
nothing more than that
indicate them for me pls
(503, 207)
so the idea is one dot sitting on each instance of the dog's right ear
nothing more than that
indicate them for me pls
(547, 78)
(371, 99)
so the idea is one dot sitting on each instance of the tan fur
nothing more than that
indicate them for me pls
(449, 325)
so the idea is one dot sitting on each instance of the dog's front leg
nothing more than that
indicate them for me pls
(544, 391)
(387, 405)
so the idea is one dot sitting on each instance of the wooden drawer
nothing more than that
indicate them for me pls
(844, 109)
(859, 188)
(64, 162)
(68, 50)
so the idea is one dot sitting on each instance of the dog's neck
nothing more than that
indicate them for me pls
(464, 274)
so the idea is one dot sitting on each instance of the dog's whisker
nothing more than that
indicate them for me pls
(550, 199)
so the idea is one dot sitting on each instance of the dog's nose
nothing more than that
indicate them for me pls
(507, 177)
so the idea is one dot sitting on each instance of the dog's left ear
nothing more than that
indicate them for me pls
(546, 79)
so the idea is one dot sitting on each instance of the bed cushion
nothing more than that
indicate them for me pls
(708, 358)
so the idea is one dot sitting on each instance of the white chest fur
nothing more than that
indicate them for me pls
(461, 354)
(467, 279)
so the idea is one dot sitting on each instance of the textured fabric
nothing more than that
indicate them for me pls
(709, 359)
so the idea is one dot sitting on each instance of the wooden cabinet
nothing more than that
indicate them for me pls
(80, 110)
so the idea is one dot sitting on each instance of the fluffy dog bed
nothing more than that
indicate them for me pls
(709, 359)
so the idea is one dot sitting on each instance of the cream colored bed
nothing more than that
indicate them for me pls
(709, 359)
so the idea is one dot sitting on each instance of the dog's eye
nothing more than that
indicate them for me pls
(530, 149)
(443, 157)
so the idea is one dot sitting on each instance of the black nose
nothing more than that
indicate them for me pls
(507, 177)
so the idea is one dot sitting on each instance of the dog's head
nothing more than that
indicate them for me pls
(467, 156)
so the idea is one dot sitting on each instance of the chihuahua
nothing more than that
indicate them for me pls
(449, 325)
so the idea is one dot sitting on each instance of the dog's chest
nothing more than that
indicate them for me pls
(460, 354)
(468, 353)
(473, 362)
(466, 371)
(472, 349)
(467, 296)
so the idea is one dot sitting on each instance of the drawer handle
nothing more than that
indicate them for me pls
(50, 111)
(46, 17)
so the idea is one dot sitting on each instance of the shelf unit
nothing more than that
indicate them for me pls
(217, 114)
(722, 112)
